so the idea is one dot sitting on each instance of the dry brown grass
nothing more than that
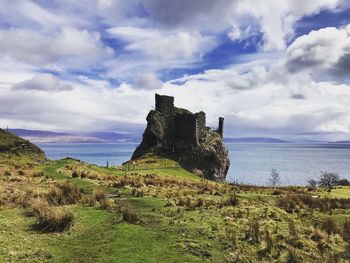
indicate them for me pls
(101, 198)
(50, 218)
(128, 215)
(64, 194)
(345, 232)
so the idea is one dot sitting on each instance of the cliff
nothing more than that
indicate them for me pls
(182, 136)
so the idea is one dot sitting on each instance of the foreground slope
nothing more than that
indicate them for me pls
(152, 210)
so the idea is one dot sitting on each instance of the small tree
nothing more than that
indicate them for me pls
(274, 179)
(312, 183)
(328, 180)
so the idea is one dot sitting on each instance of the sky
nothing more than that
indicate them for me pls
(271, 68)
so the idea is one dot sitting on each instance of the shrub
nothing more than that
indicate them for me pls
(49, 218)
(275, 178)
(7, 173)
(328, 180)
(21, 172)
(312, 184)
(343, 182)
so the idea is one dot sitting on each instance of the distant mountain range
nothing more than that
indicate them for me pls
(39, 136)
(61, 137)
(255, 140)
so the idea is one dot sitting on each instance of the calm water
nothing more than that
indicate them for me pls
(250, 163)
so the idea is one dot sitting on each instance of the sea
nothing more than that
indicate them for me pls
(251, 163)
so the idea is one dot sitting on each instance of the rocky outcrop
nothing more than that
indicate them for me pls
(12, 144)
(183, 136)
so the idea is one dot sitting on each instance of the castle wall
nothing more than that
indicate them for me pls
(165, 104)
(200, 125)
(185, 128)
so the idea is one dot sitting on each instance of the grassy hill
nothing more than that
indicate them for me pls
(152, 210)
(11, 144)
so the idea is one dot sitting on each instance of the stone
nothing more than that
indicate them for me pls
(181, 135)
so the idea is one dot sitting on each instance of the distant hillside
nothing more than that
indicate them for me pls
(36, 133)
(38, 136)
(255, 140)
(13, 144)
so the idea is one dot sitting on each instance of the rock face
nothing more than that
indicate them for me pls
(12, 144)
(182, 136)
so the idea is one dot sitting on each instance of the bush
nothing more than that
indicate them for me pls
(311, 184)
(51, 219)
(328, 180)
(7, 173)
(274, 179)
(343, 182)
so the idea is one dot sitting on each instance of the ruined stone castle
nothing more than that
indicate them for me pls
(193, 126)
(183, 136)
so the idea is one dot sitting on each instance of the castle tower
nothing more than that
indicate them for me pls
(165, 104)
(221, 127)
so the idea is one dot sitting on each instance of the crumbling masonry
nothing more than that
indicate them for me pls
(183, 136)
(193, 126)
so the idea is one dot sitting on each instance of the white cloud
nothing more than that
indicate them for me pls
(321, 51)
(165, 45)
(148, 81)
(43, 82)
(275, 18)
(40, 49)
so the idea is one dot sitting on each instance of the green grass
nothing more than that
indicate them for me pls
(339, 192)
(95, 237)
(168, 230)
(51, 171)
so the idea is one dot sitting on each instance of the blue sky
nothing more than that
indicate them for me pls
(271, 68)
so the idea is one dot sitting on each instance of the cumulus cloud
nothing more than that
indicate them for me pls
(40, 49)
(275, 19)
(43, 82)
(164, 45)
(148, 81)
(323, 51)
(110, 56)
